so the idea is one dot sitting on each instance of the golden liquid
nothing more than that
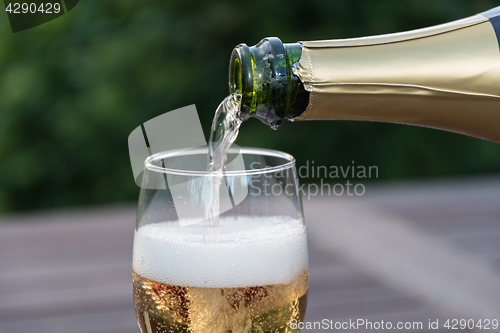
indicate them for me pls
(163, 308)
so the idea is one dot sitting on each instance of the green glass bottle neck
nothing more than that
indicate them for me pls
(263, 75)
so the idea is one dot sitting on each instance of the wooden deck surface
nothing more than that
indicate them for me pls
(400, 253)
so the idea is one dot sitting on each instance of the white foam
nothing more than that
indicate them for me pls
(250, 252)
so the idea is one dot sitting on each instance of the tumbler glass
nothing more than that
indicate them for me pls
(244, 269)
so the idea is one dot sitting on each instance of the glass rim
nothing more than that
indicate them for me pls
(289, 162)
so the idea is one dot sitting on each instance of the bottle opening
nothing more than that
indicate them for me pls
(263, 75)
(236, 88)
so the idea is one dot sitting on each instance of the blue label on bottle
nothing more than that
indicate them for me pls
(494, 16)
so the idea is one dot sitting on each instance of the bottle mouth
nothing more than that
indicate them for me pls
(263, 75)
(259, 73)
(241, 77)
(235, 70)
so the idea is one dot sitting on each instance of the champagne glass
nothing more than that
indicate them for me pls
(245, 272)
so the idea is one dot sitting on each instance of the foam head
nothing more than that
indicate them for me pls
(251, 251)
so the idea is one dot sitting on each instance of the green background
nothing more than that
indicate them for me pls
(73, 89)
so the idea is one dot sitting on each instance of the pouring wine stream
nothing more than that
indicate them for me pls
(225, 129)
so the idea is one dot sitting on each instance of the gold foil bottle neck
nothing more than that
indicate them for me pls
(445, 77)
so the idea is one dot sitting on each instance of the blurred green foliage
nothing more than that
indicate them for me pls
(73, 89)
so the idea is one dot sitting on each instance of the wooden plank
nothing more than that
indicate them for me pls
(403, 256)
(66, 302)
(338, 277)
(338, 292)
(107, 274)
(121, 321)
(67, 271)
(415, 316)
(437, 199)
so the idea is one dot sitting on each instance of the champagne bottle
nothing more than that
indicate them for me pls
(445, 77)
